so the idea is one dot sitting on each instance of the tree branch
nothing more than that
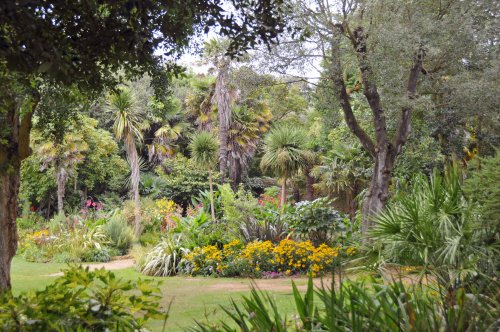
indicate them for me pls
(350, 119)
(358, 40)
(404, 126)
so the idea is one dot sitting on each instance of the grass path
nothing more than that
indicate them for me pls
(193, 298)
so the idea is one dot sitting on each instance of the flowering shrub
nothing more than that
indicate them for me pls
(170, 213)
(203, 261)
(261, 259)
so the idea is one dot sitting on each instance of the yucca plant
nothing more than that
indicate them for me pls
(285, 153)
(204, 147)
(164, 259)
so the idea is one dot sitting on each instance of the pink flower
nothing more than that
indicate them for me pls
(88, 203)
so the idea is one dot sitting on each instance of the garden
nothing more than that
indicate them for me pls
(249, 166)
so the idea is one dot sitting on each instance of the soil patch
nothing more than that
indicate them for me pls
(118, 264)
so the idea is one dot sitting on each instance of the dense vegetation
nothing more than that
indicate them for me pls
(323, 138)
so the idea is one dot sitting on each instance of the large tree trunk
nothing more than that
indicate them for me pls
(135, 180)
(235, 172)
(12, 153)
(283, 192)
(9, 188)
(62, 177)
(382, 149)
(309, 185)
(378, 192)
(223, 98)
(212, 207)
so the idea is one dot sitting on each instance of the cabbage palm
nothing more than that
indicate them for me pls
(215, 51)
(249, 123)
(126, 127)
(64, 157)
(204, 152)
(285, 154)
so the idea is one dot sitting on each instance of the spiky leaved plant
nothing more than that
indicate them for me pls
(204, 148)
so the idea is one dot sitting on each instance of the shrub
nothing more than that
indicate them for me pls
(259, 258)
(432, 225)
(149, 238)
(26, 223)
(150, 215)
(83, 300)
(254, 258)
(119, 233)
(251, 218)
(170, 213)
(96, 255)
(315, 220)
(203, 261)
(164, 259)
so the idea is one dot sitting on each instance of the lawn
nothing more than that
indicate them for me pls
(193, 298)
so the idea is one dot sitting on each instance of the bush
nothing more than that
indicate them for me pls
(432, 225)
(97, 255)
(83, 300)
(251, 218)
(149, 238)
(164, 259)
(119, 233)
(259, 258)
(316, 220)
(151, 218)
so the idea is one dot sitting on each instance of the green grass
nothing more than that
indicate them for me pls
(193, 298)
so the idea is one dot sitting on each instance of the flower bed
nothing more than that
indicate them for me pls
(261, 258)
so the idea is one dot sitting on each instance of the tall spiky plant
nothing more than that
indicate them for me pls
(64, 156)
(285, 153)
(204, 149)
(216, 50)
(126, 127)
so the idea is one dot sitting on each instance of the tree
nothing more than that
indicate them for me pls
(285, 154)
(399, 50)
(127, 128)
(64, 157)
(250, 121)
(216, 51)
(204, 148)
(46, 40)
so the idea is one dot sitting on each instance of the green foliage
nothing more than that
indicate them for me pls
(199, 230)
(285, 151)
(359, 307)
(182, 179)
(204, 149)
(119, 233)
(432, 225)
(150, 215)
(164, 259)
(483, 189)
(316, 220)
(102, 254)
(149, 238)
(250, 219)
(83, 300)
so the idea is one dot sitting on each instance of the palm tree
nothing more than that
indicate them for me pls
(167, 131)
(250, 122)
(204, 149)
(126, 127)
(215, 50)
(64, 156)
(285, 154)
